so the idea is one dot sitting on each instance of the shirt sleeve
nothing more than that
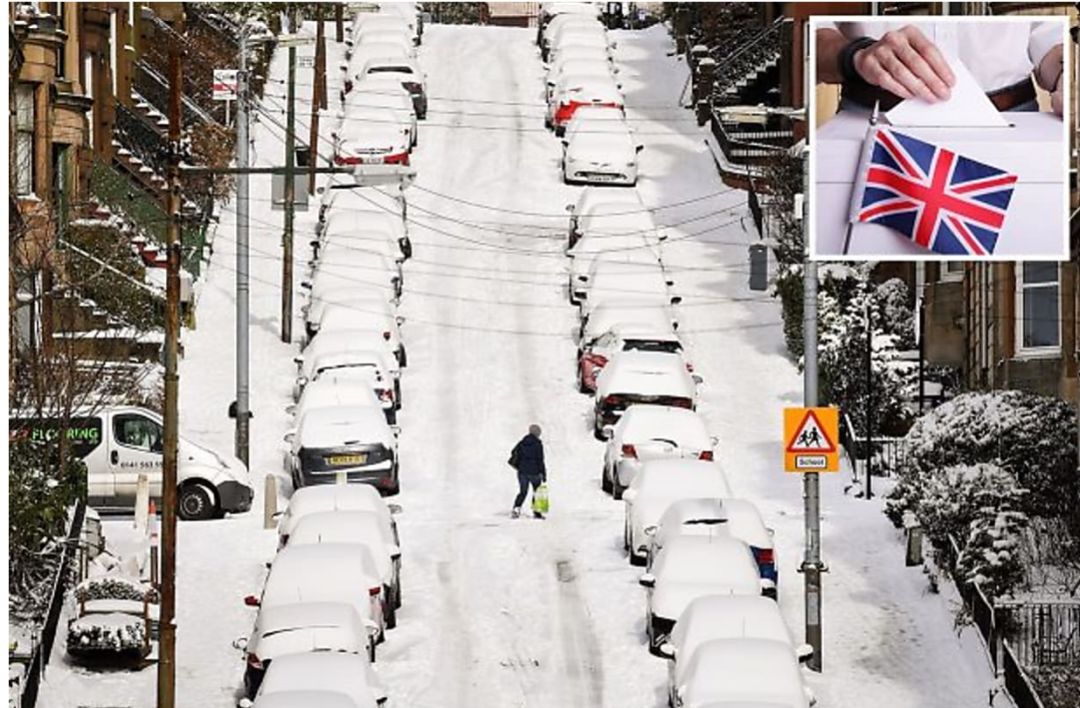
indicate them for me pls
(1044, 37)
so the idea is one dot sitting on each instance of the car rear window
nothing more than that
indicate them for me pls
(646, 345)
(390, 70)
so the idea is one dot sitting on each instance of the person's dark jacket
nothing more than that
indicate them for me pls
(529, 456)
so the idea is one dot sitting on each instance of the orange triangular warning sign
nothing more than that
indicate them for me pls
(810, 436)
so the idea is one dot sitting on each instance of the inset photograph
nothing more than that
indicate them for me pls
(939, 138)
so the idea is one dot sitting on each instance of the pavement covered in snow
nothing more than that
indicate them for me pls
(502, 612)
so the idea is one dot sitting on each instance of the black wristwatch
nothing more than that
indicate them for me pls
(845, 61)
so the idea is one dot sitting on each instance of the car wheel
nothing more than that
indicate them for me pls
(605, 482)
(371, 650)
(654, 643)
(397, 395)
(403, 360)
(598, 430)
(635, 559)
(391, 415)
(397, 594)
(196, 502)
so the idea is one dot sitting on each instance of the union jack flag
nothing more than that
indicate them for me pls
(942, 201)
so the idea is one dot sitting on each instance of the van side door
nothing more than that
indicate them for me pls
(136, 443)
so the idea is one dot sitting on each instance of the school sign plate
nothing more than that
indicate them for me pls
(810, 436)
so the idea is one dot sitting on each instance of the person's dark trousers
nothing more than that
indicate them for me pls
(524, 480)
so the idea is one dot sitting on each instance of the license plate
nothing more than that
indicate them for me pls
(346, 459)
(374, 159)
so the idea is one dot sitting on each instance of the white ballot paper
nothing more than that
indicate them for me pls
(967, 106)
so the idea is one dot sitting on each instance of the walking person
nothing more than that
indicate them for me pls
(527, 458)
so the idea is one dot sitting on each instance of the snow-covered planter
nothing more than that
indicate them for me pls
(114, 587)
(115, 632)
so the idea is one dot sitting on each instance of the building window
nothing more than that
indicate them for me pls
(1039, 306)
(24, 139)
(951, 271)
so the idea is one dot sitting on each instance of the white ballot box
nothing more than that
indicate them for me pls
(1032, 148)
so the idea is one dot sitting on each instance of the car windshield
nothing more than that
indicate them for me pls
(301, 628)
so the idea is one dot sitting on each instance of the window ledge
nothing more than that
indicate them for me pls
(1036, 354)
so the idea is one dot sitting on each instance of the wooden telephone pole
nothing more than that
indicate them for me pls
(166, 677)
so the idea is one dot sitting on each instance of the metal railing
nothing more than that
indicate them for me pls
(887, 454)
(759, 52)
(141, 139)
(1044, 633)
(130, 201)
(155, 89)
(35, 669)
(1017, 683)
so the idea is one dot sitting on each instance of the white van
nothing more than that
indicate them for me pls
(118, 443)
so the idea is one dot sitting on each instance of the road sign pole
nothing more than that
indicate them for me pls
(243, 286)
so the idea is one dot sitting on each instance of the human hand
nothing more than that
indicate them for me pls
(907, 64)
(1057, 100)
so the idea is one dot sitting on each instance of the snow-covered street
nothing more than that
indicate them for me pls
(508, 612)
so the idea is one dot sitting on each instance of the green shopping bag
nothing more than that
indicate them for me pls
(540, 499)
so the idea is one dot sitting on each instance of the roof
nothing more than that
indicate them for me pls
(306, 613)
(704, 554)
(610, 314)
(348, 673)
(329, 497)
(310, 699)
(342, 426)
(681, 424)
(726, 617)
(677, 478)
(321, 572)
(362, 527)
(336, 391)
(338, 359)
(646, 373)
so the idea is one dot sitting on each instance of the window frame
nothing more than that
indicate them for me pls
(25, 118)
(1022, 350)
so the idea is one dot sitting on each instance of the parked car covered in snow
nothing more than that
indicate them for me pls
(363, 314)
(565, 103)
(693, 566)
(349, 674)
(651, 433)
(586, 68)
(657, 485)
(334, 392)
(302, 627)
(623, 202)
(595, 157)
(646, 314)
(723, 617)
(350, 340)
(743, 672)
(352, 443)
(647, 378)
(118, 443)
(368, 298)
(337, 497)
(371, 136)
(389, 94)
(366, 364)
(595, 355)
(738, 518)
(405, 70)
(325, 572)
(361, 527)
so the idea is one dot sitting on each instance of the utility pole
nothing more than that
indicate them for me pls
(166, 677)
(339, 22)
(921, 333)
(290, 189)
(317, 98)
(869, 393)
(243, 417)
(812, 567)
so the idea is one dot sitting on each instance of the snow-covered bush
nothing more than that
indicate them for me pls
(1032, 437)
(113, 632)
(1057, 686)
(114, 587)
(894, 315)
(990, 557)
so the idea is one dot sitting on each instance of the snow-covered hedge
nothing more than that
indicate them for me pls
(114, 587)
(1031, 437)
(114, 632)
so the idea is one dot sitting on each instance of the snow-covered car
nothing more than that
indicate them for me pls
(116, 443)
(365, 364)
(651, 433)
(304, 699)
(629, 273)
(350, 314)
(371, 137)
(565, 103)
(378, 209)
(337, 497)
(580, 82)
(401, 17)
(657, 485)
(368, 298)
(349, 674)
(341, 263)
(610, 230)
(738, 518)
(301, 627)
(723, 617)
(623, 202)
(361, 527)
(325, 572)
(597, 119)
(693, 566)
(350, 443)
(646, 378)
(379, 36)
(565, 19)
(595, 157)
(743, 672)
(360, 54)
(577, 52)
(592, 68)
(387, 93)
(580, 36)
(595, 355)
(405, 70)
(646, 314)
(351, 340)
(335, 391)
